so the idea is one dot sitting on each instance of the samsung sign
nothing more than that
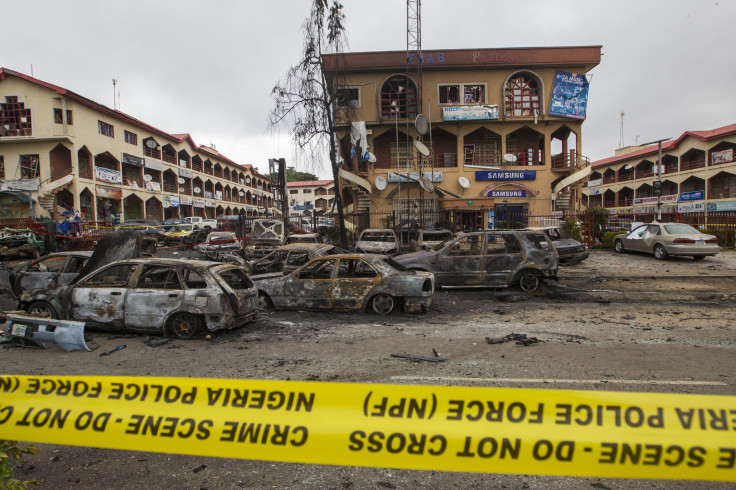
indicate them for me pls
(507, 175)
(507, 194)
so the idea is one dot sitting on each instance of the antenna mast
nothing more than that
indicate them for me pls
(621, 134)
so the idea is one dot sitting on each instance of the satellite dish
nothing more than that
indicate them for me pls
(509, 157)
(421, 148)
(167, 204)
(421, 124)
(181, 189)
(426, 184)
(380, 183)
(197, 190)
(464, 182)
(247, 180)
(628, 167)
(151, 143)
(147, 177)
(181, 180)
(241, 193)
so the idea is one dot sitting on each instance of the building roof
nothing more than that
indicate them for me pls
(179, 138)
(310, 183)
(585, 56)
(668, 145)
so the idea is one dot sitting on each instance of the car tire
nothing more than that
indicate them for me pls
(42, 308)
(699, 257)
(528, 281)
(618, 246)
(660, 253)
(184, 325)
(383, 304)
(264, 301)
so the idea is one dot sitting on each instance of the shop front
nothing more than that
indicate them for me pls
(108, 203)
(171, 207)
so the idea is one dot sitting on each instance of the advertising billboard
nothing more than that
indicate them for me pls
(569, 95)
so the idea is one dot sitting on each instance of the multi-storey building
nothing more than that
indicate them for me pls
(310, 197)
(73, 154)
(698, 174)
(503, 139)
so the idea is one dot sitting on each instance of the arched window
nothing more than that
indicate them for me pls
(398, 98)
(521, 95)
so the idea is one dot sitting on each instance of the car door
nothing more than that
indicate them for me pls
(356, 278)
(461, 263)
(156, 293)
(650, 238)
(503, 256)
(99, 300)
(296, 259)
(311, 286)
(634, 240)
(42, 274)
(71, 269)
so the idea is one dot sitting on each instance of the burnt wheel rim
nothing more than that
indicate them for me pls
(263, 301)
(185, 326)
(383, 304)
(41, 309)
(529, 283)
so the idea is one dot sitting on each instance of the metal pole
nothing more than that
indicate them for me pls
(659, 178)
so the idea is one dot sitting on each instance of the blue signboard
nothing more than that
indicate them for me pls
(506, 175)
(721, 206)
(692, 196)
(569, 95)
(514, 193)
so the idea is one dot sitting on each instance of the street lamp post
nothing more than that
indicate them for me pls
(658, 187)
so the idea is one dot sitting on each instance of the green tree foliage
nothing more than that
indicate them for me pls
(10, 450)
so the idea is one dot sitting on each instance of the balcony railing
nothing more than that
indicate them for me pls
(625, 201)
(609, 203)
(171, 187)
(168, 158)
(626, 177)
(692, 165)
(642, 174)
(670, 168)
(722, 194)
(609, 179)
(490, 158)
(571, 159)
(533, 157)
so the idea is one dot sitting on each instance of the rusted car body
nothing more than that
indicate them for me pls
(265, 236)
(348, 282)
(289, 258)
(569, 250)
(57, 269)
(304, 238)
(173, 297)
(378, 241)
(493, 258)
(219, 241)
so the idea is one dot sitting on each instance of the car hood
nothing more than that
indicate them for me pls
(376, 246)
(410, 257)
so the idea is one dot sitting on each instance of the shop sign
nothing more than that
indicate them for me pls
(198, 203)
(303, 207)
(185, 172)
(154, 164)
(210, 204)
(596, 192)
(469, 112)
(109, 192)
(208, 195)
(413, 176)
(153, 187)
(506, 175)
(645, 201)
(183, 163)
(107, 175)
(653, 209)
(721, 206)
(218, 195)
(171, 201)
(185, 201)
(595, 183)
(569, 95)
(133, 160)
(692, 196)
(721, 156)
(20, 184)
(514, 193)
(691, 207)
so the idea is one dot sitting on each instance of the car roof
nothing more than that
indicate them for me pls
(82, 253)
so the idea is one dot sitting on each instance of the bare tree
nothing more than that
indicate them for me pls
(307, 100)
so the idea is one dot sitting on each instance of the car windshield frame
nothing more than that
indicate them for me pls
(378, 236)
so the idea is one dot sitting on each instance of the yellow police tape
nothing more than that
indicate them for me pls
(494, 430)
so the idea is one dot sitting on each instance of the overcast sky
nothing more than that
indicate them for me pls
(207, 67)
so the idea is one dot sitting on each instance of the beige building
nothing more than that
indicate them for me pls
(310, 197)
(497, 148)
(698, 174)
(73, 154)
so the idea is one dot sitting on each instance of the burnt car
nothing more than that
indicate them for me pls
(348, 282)
(265, 236)
(493, 258)
(665, 239)
(288, 258)
(378, 241)
(173, 297)
(57, 269)
(304, 238)
(218, 242)
(569, 250)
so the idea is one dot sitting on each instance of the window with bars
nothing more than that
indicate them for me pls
(348, 97)
(58, 117)
(402, 154)
(29, 168)
(15, 118)
(522, 95)
(471, 94)
(105, 129)
(399, 98)
(131, 138)
(449, 94)
(474, 94)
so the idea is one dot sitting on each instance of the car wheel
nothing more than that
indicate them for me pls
(184, 325)
(618, 246)
(42, 308)
(699, 257)
(528, 281)
(659, 252)
(383, 304)
(264, 301)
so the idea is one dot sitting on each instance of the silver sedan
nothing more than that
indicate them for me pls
(667, 239)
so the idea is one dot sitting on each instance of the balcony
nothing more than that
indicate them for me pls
(692, 165)
(482, 158)
(722, 194)
(642, 174)
(570, 160)
(624, 177)
(171, 187)
(609, 178)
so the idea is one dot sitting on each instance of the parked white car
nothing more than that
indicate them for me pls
(202, 223)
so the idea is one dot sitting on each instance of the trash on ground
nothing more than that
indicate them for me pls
(31, 331)
(418, 358)
(107, 353)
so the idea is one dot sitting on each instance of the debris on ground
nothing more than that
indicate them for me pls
(519, 338)
(156, 341)
(418, 358)
(107, 353)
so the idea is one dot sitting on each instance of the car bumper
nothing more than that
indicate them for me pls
(573, 258)
(417, 304)
(691, 249)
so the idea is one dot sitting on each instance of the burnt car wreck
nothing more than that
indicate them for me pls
(172, 297)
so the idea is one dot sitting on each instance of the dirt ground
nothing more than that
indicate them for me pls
(613, 322)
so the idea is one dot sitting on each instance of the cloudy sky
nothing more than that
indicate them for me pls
(207, 67)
